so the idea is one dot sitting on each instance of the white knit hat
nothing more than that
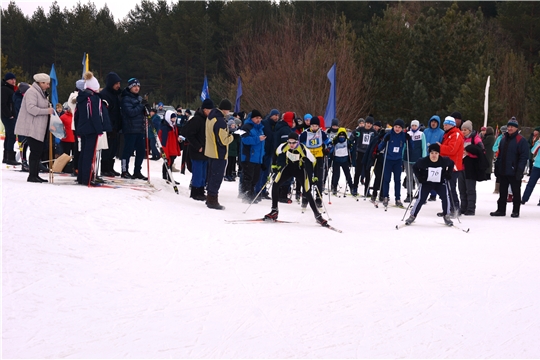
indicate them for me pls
(90, 82)
(415, 122)
(41, 77)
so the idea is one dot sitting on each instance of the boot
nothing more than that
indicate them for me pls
(399, 204)
(10, 158)
(320, 220)
(198, 194)
(447, 220)
(497, 213)
(33, 172)
(139, 175)
(496, 191)
(4, 157)
(410, 220)
(213, 203)
(25, 167)
(272, 215)
(385, 201)
(408, 198)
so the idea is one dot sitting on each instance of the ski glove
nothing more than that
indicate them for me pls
(276, 168)
(314, 179)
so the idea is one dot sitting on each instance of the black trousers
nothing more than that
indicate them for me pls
(250, 176)
(515, 184)
(424, 190)
(289, 171)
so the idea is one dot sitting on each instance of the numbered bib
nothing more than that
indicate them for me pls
(434, 174)
(366, 139)
(396, 149)
(293, 157)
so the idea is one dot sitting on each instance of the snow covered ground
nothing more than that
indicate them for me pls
(120, 273)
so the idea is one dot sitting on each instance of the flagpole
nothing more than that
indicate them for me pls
(486, 102)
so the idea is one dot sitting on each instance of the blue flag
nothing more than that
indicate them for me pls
(83, 65)
(205, 94)
(54, 84)
(330, 112)
(238, 95)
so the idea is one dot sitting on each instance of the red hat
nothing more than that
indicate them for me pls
(288, 117)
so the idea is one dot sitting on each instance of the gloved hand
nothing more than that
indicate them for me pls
(407, 136)
(276, 169)
(326, 151)
(386, 138)
(314, 179)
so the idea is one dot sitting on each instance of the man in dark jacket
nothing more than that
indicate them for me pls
(8, 118)
(269, 124)
(362, 139)
(133, 128)
(194, 131)
(510, 167)
(111, 95)
(251, 154)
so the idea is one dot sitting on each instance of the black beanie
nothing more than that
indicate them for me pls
(456, 115)
(293, 136)
(255, 113)
(370, 120)
(225, 104)
(207, 104)
(399, 122)
(315, 121)
(434, 147)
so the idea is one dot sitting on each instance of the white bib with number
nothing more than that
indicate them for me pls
(434, 174)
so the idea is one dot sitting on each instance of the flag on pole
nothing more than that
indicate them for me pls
(205, 94)
(330, 112)
(238, 95)
(486, 102)
(87, 63)
(54, 84)
(83, 65)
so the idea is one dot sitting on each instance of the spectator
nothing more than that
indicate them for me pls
(111, 95)
(8, 118)
(33, 122)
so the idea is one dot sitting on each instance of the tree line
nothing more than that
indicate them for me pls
(394, 59)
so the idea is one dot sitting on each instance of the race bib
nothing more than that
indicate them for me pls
(293, 157)
(434, 174)
(366, 138)
(396, 149)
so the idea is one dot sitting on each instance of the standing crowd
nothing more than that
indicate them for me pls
(275, 156)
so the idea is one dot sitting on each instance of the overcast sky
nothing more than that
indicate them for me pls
(118, 8)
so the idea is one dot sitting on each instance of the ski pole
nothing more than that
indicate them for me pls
(382, 173)
(270, 181)
(452, 201)
(410, 203)
(147, 150)
(325, 209)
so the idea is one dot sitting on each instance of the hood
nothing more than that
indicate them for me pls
(168, 117)
(288, 117)
(342, 130)
(111, 79)
(436, 118)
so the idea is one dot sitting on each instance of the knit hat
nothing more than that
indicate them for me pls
(288, 117)
(335, 122)
(231, 122)
(23, 87)
(133, 82)
(274, 112)
(467, 125)
(513, 122)
(434, 147)
(41, 77)
(207, 104)
(399, 122)
(153, 110)
(225, 104)
(449, 120)
(293, 136)
(187, 112)
(504, 128)
(307, 117)
(483, 128)
(9, 76)
(361, 120)
(79, 84)
(111, 79)
(415, 122)
(456, 115)
(377, 123)
(315, 121)
(370, 120)
(90, 82)
(255, 113)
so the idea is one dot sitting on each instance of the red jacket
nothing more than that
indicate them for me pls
(67, 120)
(169, 139)
(453, 146)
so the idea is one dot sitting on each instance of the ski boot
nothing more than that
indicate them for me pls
(410, 220)
(320, 220)
(432, 198)
(447, 220)
(272, 215)
(385, 202)
(354, 191)
(399, 204)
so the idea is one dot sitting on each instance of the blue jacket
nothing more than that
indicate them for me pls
(513, 155)
(91, 116)
(252, 148)
(396, 144)
(433, 135)
(132, 110)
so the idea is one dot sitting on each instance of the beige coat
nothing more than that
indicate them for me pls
(34, 114)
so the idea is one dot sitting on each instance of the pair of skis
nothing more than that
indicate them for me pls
(262, 220)
(451, 226)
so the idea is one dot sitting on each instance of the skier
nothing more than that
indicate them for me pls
(299, 162)
(433, 172)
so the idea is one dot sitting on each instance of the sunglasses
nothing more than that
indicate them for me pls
(292, 142)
